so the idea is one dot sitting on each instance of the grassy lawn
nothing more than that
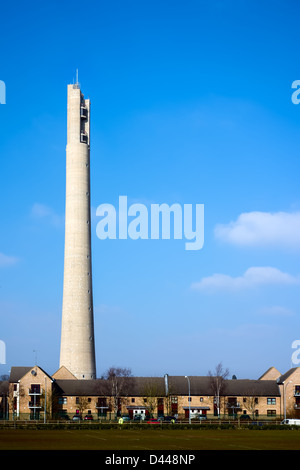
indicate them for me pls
(175, 440)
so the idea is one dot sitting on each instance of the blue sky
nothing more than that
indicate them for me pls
(191, 104)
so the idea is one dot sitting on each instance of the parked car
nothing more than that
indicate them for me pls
(88, 417)
(77, 418)
(125, 419)
(291, 422)
(153, 421)
(138, 418)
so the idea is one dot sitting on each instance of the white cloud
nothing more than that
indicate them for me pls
(262, 228)
(41, 211)
(253, 277)
(7, 260)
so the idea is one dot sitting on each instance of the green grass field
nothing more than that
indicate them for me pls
(172, 440)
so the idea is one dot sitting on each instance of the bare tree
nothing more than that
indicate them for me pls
(217, 382)
(152, 390)
(117, 382)
(82, 404)
(250, 403)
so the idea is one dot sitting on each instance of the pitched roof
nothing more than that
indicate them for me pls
(271, 374)
(80, 387)
(156, 386)
(247, 387)
(133, 386)
(63, 374)
(16, 373)
(178, 385)
(233, 387)
(285, 376)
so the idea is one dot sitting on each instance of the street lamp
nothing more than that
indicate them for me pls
(188, 379)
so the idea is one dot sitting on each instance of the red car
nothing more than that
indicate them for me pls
(153, 421)
(88, 417)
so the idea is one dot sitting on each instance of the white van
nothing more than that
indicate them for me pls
(291, 422)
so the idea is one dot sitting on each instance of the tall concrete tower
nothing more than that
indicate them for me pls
(77, 350)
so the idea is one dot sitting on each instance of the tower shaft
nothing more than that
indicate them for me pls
(77, 351)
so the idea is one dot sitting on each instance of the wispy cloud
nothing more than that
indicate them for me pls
(42, 211)
(280, 229)
(6, 260)
(253, 277)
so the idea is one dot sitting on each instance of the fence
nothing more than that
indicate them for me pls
(114, 424)
(111, 417)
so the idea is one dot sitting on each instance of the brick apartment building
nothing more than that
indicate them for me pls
(30, 391)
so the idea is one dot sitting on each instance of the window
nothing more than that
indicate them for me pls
(132, 400)
(34, 403)
(271, 401)
(35, 388)
(190, 398)
(62, 400)
(201, 399)
(102, 403)
(174, 405)
(271, 412)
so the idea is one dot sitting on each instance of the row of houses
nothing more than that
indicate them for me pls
(31, 393)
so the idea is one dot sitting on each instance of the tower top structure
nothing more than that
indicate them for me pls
(76, 84)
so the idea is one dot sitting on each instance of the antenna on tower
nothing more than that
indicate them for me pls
(76, 84)
(35, 361)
